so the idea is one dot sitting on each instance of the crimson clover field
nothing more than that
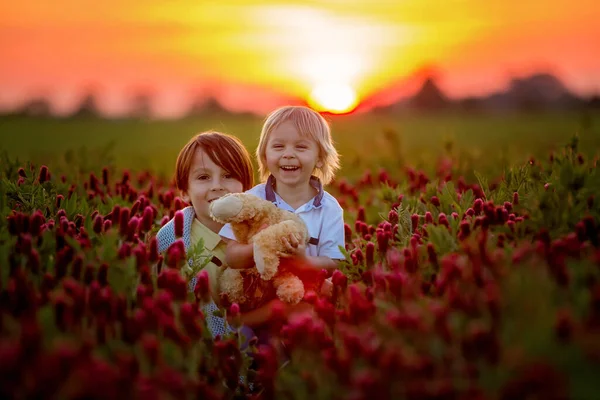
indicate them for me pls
(472, 268)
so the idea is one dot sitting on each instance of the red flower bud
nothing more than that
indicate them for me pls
(443, 220)
(428, 218)
(178, 204)
(339, 279)
(124, 251)
(361, 214)
(35, 223)
(393, 217)
(135, 207)
(126, 177)
(176, 254)
(347, 233)
(410, 264)
(435, 201)
(393, 259)
(153, 256)
(147, 219)
(115, 214)
(105, 176)
(395, 281)
(103, 274)
(24, 243)
(234, 310)
(432, 255)
(478, 206)
(415, 222)
(178, 224)
(132, 228)
(98, 224)
(202, 288)
(188, 317)
(370, 253)
(44, 174)
(151, 345)
(310, 297)
(123, 221)
(511, 226)
(141, 256)
(33, 263)
(564, 325)
(358, 256)
(382, 241)
(93, 182)
(77, 267)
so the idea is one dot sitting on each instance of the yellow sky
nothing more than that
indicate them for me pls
(248, 52)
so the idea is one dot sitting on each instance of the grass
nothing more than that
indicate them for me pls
(364, 141)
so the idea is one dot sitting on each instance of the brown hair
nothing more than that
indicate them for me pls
(225, 150)
(309, 123)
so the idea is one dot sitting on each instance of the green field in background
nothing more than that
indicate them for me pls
(482, 142)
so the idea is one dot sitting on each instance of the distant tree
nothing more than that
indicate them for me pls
(37, 107)
(471, 104)
(87, 108)
(141, 105)
(540, 91)
(196, 106)
(213, 106)
(593, 102)
(202, 105)
(430, 97)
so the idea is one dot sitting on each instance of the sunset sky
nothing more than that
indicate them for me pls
(255, 55)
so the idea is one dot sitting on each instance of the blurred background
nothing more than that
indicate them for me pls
(128, 83)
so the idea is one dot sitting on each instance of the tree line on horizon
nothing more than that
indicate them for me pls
(537, 92)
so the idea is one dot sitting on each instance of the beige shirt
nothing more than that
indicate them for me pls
(212, 245)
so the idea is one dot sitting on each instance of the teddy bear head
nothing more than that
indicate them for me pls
(236, 207)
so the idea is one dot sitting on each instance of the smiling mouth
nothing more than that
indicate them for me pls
(289, 168)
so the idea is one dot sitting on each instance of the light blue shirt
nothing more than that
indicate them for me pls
(323, 216)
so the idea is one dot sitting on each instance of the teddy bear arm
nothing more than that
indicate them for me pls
(231, 284)
(265, 258)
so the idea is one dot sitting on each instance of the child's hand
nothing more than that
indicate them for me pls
(293, 247)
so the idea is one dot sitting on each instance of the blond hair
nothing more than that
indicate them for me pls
(309, 123)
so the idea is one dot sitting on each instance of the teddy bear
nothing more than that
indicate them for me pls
(262, 223)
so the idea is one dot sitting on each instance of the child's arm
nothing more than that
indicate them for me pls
(263, 314)
(296, 249)
(258, 316)
(238, 255)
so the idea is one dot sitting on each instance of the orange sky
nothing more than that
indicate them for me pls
(254, 54)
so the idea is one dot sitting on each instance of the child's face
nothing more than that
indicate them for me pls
(291, 157)
(208, 182)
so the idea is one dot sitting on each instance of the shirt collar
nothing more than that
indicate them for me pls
(314, 182)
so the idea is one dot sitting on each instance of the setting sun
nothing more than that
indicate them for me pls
(333, 97)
